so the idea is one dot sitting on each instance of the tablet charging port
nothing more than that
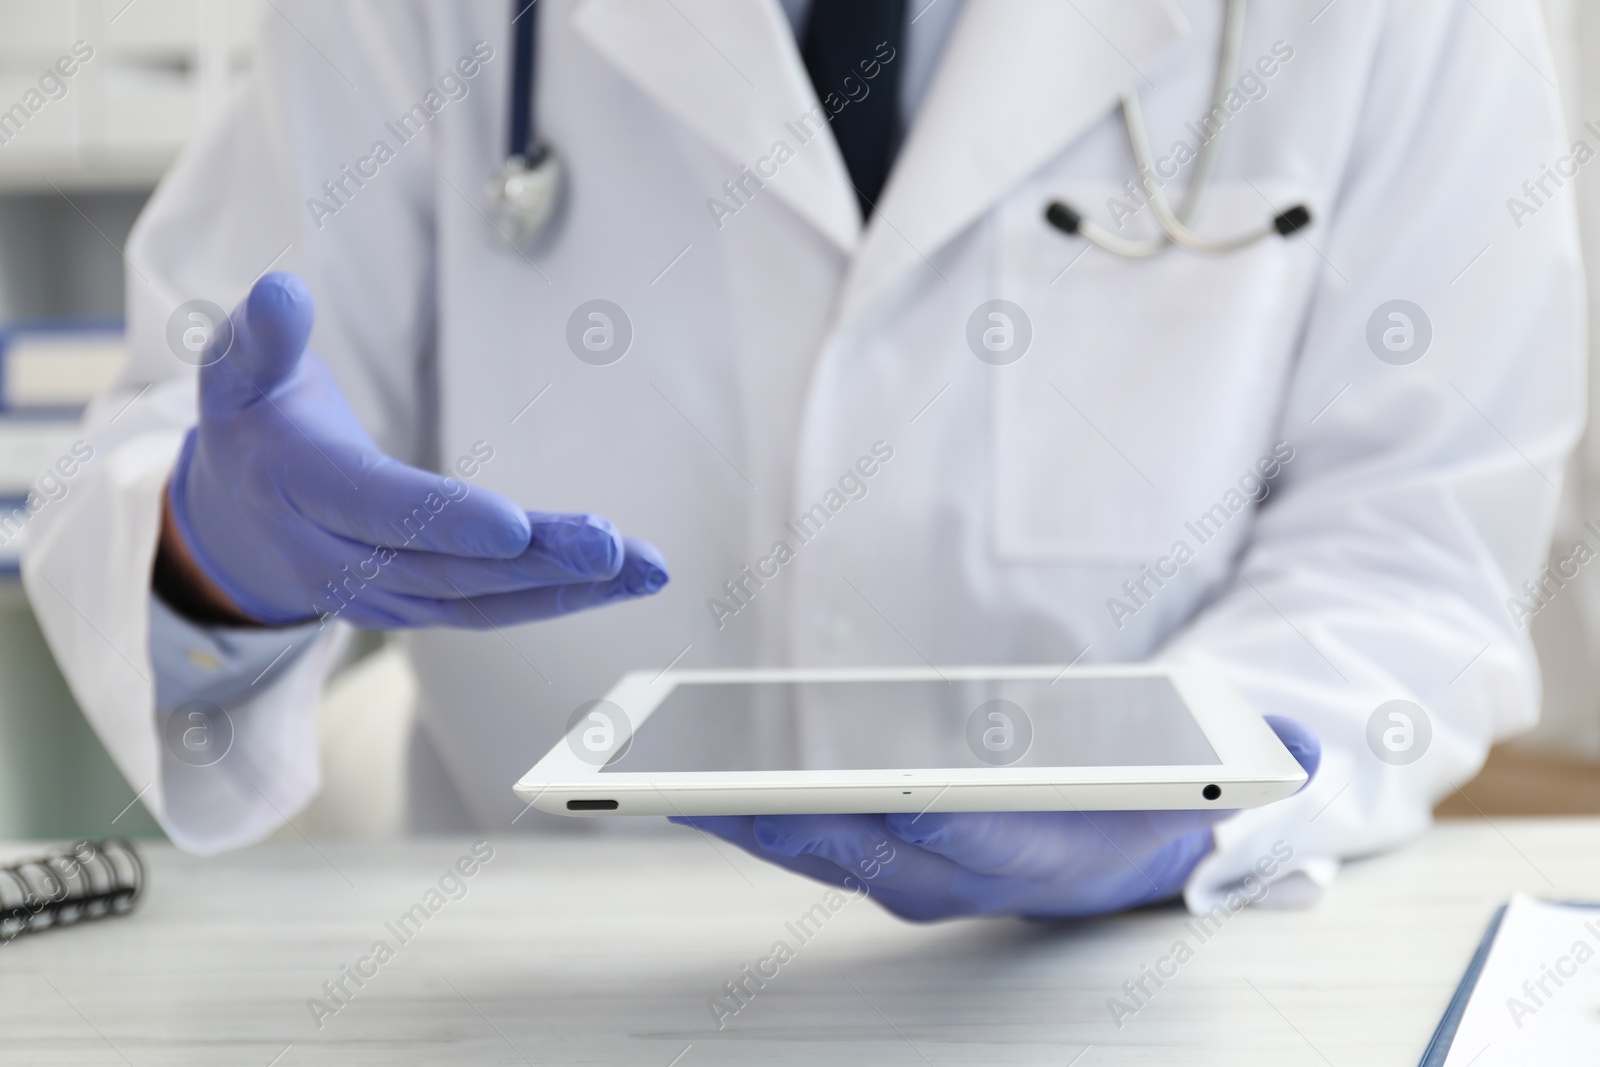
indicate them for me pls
(591, 805)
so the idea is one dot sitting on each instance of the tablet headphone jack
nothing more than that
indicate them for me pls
(1211, 792)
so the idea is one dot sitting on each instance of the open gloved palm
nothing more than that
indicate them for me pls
(290, 511)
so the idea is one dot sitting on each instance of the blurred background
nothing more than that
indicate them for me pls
(73, 178)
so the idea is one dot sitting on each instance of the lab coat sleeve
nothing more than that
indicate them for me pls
(240, 201)
(1388, 562)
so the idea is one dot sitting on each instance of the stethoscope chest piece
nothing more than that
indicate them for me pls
(522, 196)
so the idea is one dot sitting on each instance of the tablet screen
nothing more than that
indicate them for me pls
(909, 725)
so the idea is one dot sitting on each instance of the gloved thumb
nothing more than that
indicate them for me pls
(1301, 743)
(270, 328)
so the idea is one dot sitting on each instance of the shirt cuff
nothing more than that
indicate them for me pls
(218, 664)
(1258, 860)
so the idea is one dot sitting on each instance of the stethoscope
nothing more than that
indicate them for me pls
(1175, 224)
(523, 192)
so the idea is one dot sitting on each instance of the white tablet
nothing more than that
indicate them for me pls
(753, 742)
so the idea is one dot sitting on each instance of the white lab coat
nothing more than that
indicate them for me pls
(775, 346)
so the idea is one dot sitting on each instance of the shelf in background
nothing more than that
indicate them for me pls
(98, 95)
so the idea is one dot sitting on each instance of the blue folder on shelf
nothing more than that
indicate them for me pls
(49, 370)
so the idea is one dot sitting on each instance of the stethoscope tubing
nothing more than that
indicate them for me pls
(526, 152)
(524, 112)
(1175, 224)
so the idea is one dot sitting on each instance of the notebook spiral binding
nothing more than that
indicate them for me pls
(91, 881)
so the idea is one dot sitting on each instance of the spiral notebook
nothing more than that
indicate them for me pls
(1531, 994)
(87, 881)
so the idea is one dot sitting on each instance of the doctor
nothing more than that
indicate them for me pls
(926, 382)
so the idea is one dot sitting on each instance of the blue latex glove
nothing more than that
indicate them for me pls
(1037, 864)
(289, 508)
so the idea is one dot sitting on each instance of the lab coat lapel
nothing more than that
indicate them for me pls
(730, 72)
(1018, 81)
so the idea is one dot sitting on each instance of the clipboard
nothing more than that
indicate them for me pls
(1444, 1034)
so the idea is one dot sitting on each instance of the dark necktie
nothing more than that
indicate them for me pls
(852, 50)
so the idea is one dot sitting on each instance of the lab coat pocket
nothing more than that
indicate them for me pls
(1148, 387)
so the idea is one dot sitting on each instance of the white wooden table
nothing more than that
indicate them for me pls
(606, 951)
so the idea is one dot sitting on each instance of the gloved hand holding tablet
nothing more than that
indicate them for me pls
(1038, 864)
(973, 791)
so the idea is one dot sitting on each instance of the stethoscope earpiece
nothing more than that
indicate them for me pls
(1063, 217)
(1293, 220)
